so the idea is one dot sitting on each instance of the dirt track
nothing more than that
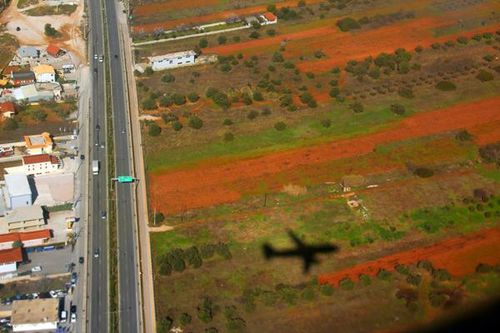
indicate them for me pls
(212, 183)
(459, 256)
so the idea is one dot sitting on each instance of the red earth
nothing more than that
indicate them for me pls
(211, 182)
(459, 256)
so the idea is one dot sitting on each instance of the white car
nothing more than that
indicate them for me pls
(73, 317)
(101, 58)
(36, 269)
(53, 294)
(95, 56)
(64, 316)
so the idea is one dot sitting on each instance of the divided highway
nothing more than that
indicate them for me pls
(129, 310)
(98, 304)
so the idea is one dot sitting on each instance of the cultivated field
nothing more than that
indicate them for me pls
(369, 125)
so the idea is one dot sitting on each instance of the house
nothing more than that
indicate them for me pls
(55, 51)
(269, 18)
(25, 219)
(8, 70)
(35, 315)
(26, 239)
(19, 193)
(39, 144)
(26, 53)
(22, 78)
(44, 73)
(9, 259)
(7, 110)
(172, 60)
(40, 164)
(31, 94)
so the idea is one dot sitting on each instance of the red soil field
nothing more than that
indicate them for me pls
(171, 5)
(150, 27)
(211, 183)
(459, 256)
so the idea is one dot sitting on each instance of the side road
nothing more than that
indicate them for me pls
(142, 208)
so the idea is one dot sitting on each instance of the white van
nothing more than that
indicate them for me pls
(64, 316)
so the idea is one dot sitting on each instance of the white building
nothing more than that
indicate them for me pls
(41, 164)
(35, 315)
(19, 192)
(9, 259)
(44, 73)
(24, 219)
(172, 60)
(31, 94)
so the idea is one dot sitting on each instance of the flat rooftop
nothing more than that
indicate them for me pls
(35, 311)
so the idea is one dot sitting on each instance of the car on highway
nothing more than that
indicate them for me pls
(36, 269)
(73, 313)
(96, 254)
(81, 260)
(101, 58)
(82, 157)
(95, 56)
(73, 278)
(103, 215)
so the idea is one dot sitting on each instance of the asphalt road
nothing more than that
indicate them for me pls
(128, 279)
(98, 303)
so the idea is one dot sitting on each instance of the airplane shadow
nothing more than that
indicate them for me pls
(307, 252)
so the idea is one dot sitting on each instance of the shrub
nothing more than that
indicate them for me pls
(326, 123)
(266, 111)
(50, 30)
(405, 92)
(414, 279)
(398, 109)
(225, 68)
(490, 153)
(149, 104)
(227, 122)
(165, 324)
(346, 284)
(463, 135)
(148, 72)
(228, 136)
(203, 43)
(446, 86)
(254, 35)
(271, 32)
(205, 310)
(252, 114)
(423, 172)
(347, 24)
(167, 78)
(488, 58)
(247, 100)
(436, 299)
(383, 274)
(357, 107)
(211, 330)
(222, 39)
(177, 126)
(257, 96)
(280, 126)
(159, 217)
(195, 122)
(484, 268)
(10, 124)
(462, 40)
(38, 115)
(277, 57)
(419, 49)
(223, 250)
(441, 275)
(193, 97)
(185, 319)
(154, 129)
(425, 264)
(207, 251)
(334, 92)
(326, 290)
(308, 99)
(402, 269)
(179, 99)
(484, 76)
(365, 280)
(166, 101)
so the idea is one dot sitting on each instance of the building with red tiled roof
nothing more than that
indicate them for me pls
(8, 70)
(269, 18)
(54, 51)
(7, 109)
(40, 164)
(9, 259)
(28, 239)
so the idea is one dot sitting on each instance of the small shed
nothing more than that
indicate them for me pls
(7, 110)
(55, 51)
